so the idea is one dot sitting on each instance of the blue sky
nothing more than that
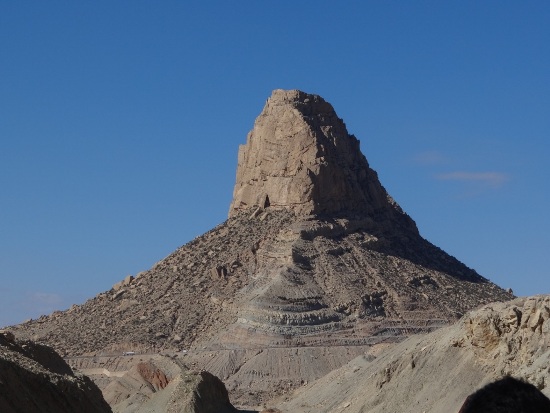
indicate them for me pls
(120, 123)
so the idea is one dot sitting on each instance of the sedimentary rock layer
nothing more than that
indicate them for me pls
(434, 373)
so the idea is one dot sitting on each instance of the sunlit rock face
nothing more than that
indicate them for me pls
(300, 156)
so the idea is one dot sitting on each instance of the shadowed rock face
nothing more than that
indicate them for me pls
(434, 373)
(300, 156)
(33, 378)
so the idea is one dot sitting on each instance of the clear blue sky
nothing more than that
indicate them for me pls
(120, 123)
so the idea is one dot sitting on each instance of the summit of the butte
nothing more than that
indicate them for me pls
(315, 265)
(300, 157)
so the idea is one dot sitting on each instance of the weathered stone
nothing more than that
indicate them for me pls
(300, 156)
(256, 212)
(220, 271)
(536, 319)
(35, 378)
(147, 387)
(444, 375)
(8, 335)
(125, 282)
(118, 294)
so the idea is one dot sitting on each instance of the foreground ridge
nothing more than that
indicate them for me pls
(434, 373)
(33, 378)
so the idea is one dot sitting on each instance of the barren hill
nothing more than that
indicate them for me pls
(316, 264)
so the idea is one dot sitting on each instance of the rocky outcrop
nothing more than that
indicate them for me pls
(300, 156)
(33, 378)
(507, 395)
(435, 373)
(135, 387)
(314, 256)
(149, 388)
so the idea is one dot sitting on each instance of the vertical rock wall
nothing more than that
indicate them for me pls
(300, 156)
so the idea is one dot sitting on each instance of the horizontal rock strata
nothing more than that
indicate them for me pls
(435, 373)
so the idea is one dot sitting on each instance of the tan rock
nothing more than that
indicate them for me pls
(315, 256)
(148, 388)
(300, 156)
(35, 378)
(445, 373)
(125, 282)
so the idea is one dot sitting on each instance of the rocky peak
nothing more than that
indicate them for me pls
(326, 260)
(300, 156)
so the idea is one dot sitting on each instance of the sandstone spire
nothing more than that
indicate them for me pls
(300, 156)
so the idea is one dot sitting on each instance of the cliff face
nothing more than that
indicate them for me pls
(300, 156)
(33, 378)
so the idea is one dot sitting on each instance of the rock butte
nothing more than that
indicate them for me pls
(299, 156)
(315, 265)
